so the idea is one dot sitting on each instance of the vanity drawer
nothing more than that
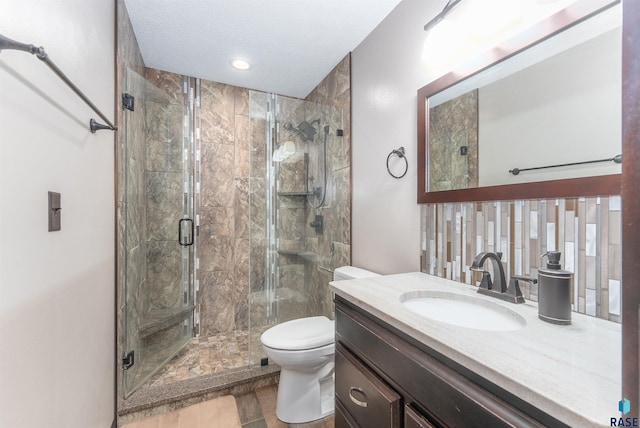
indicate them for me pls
(369, 401)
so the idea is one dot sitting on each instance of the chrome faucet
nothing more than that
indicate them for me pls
(497, 287)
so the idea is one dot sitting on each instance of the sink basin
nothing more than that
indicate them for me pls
(462, 310)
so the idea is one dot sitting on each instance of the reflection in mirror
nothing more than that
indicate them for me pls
(565, 109)
(453, 143)
(556, 102)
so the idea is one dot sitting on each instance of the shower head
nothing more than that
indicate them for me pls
(305, 130)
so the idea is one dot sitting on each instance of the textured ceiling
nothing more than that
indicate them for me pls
(291, 44)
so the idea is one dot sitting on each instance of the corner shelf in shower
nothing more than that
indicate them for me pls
(309, 255)
(157, 320)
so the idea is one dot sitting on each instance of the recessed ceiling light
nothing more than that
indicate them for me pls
(240, 64)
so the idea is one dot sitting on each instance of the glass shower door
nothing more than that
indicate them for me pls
(158, 234)
(300, 192)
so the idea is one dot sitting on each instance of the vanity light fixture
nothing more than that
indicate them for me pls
(480, 25)
(444, 43)
(439, 17)
(445, 38)
(240, 64)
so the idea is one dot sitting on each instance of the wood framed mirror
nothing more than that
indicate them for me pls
(492, 65)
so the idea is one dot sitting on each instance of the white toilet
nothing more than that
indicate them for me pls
(304, 349)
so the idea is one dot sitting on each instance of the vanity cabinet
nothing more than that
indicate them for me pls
(386, 379)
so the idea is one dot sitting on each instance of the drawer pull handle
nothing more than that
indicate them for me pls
(354, 399)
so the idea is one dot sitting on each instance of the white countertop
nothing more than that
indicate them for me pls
(572, 372)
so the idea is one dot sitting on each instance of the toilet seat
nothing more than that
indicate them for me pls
(300, 334)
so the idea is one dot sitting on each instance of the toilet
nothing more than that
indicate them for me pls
(304, 349)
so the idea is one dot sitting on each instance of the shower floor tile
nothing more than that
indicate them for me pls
(205, 356)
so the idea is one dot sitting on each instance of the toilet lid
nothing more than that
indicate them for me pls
(298, 334)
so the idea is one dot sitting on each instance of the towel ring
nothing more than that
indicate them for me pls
(400, 153)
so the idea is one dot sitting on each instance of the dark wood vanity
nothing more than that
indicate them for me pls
(384, 378)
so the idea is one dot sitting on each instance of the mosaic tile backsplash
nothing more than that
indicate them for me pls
(586, 230)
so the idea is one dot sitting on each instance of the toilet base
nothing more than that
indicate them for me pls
(305, 397)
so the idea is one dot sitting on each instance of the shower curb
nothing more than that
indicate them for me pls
(166, 398)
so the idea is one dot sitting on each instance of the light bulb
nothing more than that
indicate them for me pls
(444, 42)
(240, 64)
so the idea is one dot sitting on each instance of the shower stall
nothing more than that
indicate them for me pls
(236, 213)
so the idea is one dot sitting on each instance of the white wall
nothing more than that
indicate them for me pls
(56, 288)
(387, 71)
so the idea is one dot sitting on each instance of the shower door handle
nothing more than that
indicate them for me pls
(185, 232)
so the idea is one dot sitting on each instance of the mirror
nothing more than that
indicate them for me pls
(496, 130)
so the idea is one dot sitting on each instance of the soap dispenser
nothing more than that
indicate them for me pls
(554, 291)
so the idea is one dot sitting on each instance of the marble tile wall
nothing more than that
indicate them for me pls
(223, 234)
(333, 247)
(585, 230)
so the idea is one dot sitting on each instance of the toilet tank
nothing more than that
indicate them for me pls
(351, 272)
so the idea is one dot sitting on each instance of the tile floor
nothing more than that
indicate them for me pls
(219, 412)
(205, 356)
(258, 410)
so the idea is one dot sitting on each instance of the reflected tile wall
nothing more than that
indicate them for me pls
(163, 188)
(585, 230)
(453, 125)
(164, 268)
(164, 204)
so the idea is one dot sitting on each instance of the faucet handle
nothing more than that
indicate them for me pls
(513, 290)
(524, 278)
(486, 282)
